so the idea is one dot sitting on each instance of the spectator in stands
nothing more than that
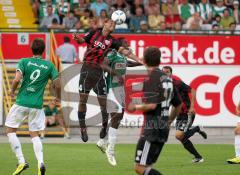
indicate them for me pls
(35, 7)
(232, 27)
(226, 19)
(102, 18)
(85, 18)
(136, 19)
(97, 6)
(155, 19)
(77, 28)
(194, 22)
(63, 9)
(143, 27)
(171, 18)
(43, 8)
(47, 21)
(163, 26)
(172, 6)
(152, 8)
(55, 25)
(53, 118)
(93, 23)
(135, 5)
(236, 12)
(218, 8)
(215, 27)
(229, 3)
(121, 5)
(178, 27)
(69, 20)
(79, 7)
(186, 10)
(67, 51)
(216, 20)
(205, 10)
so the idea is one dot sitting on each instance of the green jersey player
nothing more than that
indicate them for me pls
(34, 73)
(116, 68)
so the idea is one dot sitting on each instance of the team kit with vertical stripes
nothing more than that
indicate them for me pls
(158, 89)
(92, 75)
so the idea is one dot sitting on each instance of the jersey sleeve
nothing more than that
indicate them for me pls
(176, 100)
(54, 73)
(21, 67)
(115, 44)
(87, 37)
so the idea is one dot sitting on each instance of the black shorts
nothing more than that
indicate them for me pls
(184, 122)
(147, 152)
(92, 77)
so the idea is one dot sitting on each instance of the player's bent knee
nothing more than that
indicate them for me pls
(179, 135)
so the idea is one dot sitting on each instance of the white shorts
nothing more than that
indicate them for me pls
(116, 100)
(17, 114)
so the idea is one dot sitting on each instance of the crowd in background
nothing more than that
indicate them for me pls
(142, 15)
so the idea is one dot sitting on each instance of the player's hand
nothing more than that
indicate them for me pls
(140, 60)
(131, 107)
(191, 110)
(75, 37)
(11, 94)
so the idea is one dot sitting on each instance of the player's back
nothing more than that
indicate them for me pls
(36, 72)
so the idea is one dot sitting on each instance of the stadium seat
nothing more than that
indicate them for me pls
(12, 17)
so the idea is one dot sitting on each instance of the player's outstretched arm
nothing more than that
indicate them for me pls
(133, 63)
(15, 82)
(193, 94)
(127, 52)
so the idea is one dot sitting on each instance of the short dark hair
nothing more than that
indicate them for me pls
(66, 39)
(54, 21)
(152, 56)
(168, 67)
(38, 46)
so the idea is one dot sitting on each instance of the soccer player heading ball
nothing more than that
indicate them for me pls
(159, 94)
(99, 42)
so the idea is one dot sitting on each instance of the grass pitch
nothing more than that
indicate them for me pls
(86, 159)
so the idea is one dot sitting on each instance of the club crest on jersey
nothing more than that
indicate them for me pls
(120, 66)
(107, 42)
(99, 44)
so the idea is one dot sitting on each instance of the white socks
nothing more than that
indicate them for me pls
(16, 147)
(112, 136)
(38, 149)
(237, 145)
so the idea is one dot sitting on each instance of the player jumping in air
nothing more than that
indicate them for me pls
(99, 42)
(115, 64)
(236, 160)
(159, 94)
(186, 117)
(34, 73)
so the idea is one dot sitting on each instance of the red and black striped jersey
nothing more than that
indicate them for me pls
(98, 46)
